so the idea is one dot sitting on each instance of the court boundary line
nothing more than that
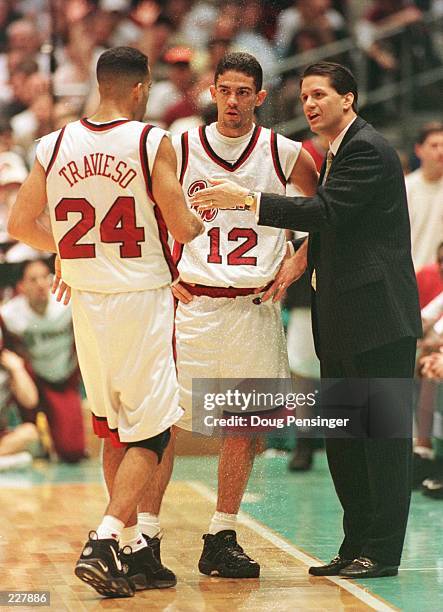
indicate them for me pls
(370, 599)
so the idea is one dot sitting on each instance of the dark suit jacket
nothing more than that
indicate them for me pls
(359, 246)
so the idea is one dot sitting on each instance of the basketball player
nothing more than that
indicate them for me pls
(218, 320)
(111, 189)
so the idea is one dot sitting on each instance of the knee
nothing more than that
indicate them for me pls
(28, 433)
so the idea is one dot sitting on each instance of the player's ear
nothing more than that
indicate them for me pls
(260, 97)
(137, 91)
(212, 91)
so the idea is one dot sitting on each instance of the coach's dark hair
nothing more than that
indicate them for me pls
(433, 127)
(340, 77)
(122, 62)
(241, 62)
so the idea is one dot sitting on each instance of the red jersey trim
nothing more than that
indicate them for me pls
(219, 292)
(102, 126)
(222, 162)
(177, 252)
(55, 151)
(185, 156)
(144, 160)
(276, 159)
(163, 235)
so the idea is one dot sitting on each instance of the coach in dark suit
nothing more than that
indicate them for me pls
(365, 311)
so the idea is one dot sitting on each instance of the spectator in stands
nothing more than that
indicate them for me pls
(23, 35)
(402, 20)
(430, 279)
(41, 328)
(250, 38)
(425, 195)
(18, 73)
(424, 465)
(428, 469)
(16, 388)
(13, 172)
(306, 14)
(8, 14)
(173, 98)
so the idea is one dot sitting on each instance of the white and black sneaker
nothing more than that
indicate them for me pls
(145, 569)
(100, 567)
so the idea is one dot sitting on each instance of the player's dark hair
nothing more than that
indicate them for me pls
(24, 265)
(340, 78)
(433, 127)
(241, 62)
(122, 62)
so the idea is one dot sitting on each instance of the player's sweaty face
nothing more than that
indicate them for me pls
(236, 98)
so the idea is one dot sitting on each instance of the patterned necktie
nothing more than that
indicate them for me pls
(329, 158)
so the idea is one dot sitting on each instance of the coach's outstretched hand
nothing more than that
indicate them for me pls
(224, 194)
(59, 287)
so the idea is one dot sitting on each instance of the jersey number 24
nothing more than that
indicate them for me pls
(118, 226)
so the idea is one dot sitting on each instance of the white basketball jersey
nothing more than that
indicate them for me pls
(110, 234)
(234, 251)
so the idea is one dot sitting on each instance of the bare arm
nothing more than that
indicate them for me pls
(183, 224)
(24, 223)
(22, 385)
(304, 174)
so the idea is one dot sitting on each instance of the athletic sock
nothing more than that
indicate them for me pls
(424, 452)
(132, 536)
(110, 527)
(221, 521)
(149, 524)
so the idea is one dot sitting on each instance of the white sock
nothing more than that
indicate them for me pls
(110, 527)
(132, 536)
(221, 521)
(149, 524)
(424, 452)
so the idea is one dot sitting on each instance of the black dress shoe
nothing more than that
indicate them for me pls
(331, 569)
(366, 568)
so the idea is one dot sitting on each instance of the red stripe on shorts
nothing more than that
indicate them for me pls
(101, 429)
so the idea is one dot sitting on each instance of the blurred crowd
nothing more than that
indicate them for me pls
(48, 53)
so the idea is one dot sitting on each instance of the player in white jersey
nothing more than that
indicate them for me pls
(219, 324)
(112, 194)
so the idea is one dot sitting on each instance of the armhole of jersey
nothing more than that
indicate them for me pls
(185, 156)
(276, 159)
(55, 151)
(144, 160)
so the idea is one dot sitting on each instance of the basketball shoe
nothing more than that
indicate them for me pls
(144, 567)
(223, 556)
(100, 567)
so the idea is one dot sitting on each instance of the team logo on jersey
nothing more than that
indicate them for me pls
(206, 215)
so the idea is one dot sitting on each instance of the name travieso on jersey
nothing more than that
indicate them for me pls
(234, 251)
(109, 232)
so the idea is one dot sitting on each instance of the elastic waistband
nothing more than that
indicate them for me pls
(221, 292)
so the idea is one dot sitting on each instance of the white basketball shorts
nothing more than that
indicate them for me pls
(125, 350)
(227, 338)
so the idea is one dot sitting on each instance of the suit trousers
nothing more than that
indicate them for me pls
(372, 475)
